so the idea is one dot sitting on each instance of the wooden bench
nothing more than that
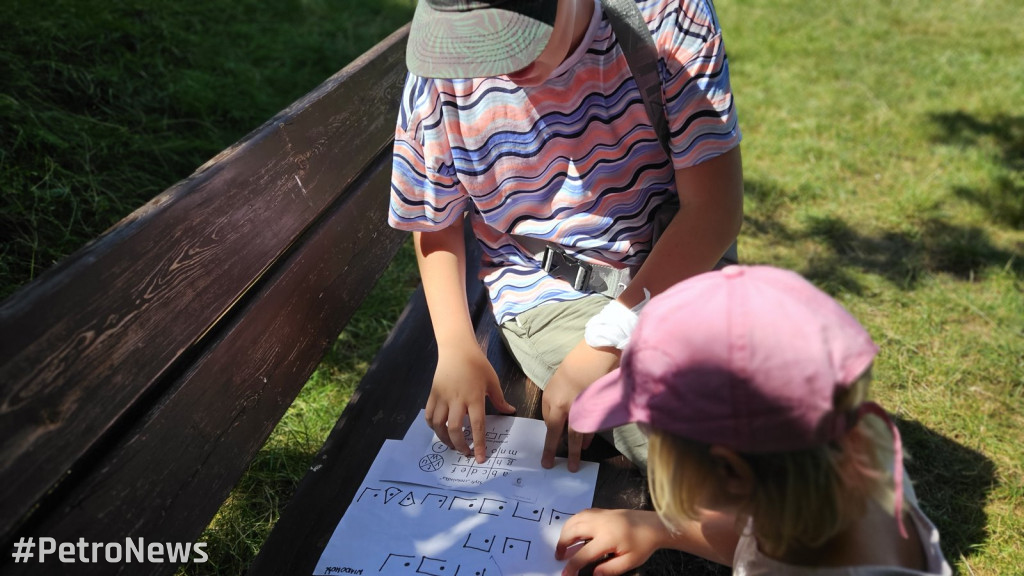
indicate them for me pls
(140, 376)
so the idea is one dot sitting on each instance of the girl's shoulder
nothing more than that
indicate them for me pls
(749, 561)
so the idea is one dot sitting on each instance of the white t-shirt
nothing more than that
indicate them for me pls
(749, 561)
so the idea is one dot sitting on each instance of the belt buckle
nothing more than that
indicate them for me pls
(560, 265)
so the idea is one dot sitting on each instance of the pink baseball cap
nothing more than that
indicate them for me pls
(748, 357)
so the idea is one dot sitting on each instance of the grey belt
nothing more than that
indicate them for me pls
(586, 277)
(583, 276)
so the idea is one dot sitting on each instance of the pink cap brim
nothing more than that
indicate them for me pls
(602, 406)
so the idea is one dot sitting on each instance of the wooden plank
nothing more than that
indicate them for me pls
(82, 346)
(384, 405)
(168, 476)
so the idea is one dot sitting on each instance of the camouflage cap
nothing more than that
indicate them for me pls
(477, 38)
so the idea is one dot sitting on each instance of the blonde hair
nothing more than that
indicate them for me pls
(800, 499)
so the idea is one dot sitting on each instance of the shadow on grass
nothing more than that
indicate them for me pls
(1003, 196)
(934, 247)
(952, 483)
(903, 258)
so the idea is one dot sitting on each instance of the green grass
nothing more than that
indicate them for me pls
(106, 104)
(883, 158)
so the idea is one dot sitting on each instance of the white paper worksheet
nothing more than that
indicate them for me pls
(424, 509)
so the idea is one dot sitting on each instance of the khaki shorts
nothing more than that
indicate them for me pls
(540, 338)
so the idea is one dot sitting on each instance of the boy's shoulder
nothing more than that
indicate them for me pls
(658, 10)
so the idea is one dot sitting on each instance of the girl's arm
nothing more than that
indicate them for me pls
(619, 540)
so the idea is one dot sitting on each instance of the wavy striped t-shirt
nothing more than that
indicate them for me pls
(574, 161)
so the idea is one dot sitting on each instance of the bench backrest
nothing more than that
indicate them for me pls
(140, 375)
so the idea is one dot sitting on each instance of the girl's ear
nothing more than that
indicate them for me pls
(735, 473)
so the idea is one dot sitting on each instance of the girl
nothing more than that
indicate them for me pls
(764, 453)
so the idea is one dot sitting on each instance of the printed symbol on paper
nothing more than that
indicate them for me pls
(375, 492)
(493, 507)
(460, 503)
(431, 462)
(495, 436)
(480, 570)
(517, 547)
(479, 542)
(435, 567)
(432, 499)
(528, 512)
(558, 516)
(397, 561)
(439, 447)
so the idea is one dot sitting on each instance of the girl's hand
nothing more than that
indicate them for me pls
(615, 540)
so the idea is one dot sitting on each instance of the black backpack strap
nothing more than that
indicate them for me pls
(637, 45)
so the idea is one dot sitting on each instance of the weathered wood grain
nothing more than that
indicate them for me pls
(169, 474)
(87, 346)
(384, 405)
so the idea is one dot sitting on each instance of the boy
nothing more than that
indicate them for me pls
(525, 115)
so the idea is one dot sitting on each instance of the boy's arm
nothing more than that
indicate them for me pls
(464, 377)
(708, 222)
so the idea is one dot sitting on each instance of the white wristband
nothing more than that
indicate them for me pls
(614, 324)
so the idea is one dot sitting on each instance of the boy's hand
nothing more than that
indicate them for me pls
(618, 539)
(580, 368)
(463, 380)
